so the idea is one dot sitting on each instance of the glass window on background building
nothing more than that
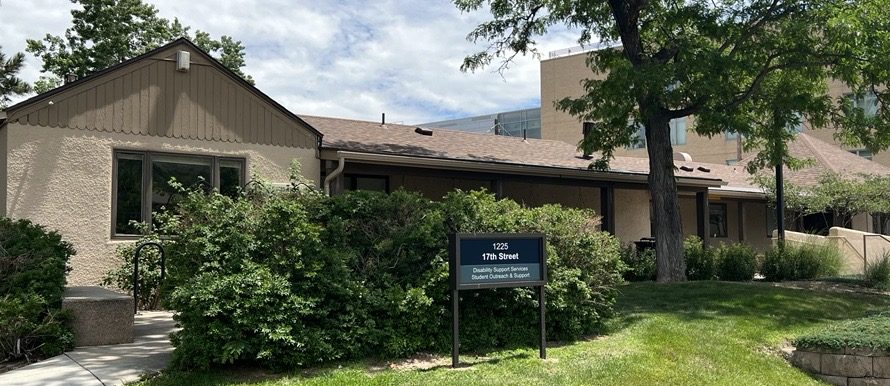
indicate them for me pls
(868, 103)
(732, 162)
(133, 201)
(678, 131)
(639, 138)
(678, 134)
(718, 221)
(522, 123)
(864, 153)
(731, 135)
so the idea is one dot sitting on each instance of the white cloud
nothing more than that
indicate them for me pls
(352, 59)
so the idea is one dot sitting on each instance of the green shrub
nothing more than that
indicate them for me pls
(33, 265)
(865, 333)
(289, 279)
(639, 265)
(121, 277)
(736, 262)
(583, 267)
(251, 283)
(801, 262)
(877, 274)
(701, 262)
(30, 328)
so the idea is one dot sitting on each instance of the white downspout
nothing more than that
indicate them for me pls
(341, 163)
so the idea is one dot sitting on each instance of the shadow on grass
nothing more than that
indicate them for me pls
(771, 306)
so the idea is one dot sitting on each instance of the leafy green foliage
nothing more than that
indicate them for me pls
(121, 277)
(10, 83)
(640, 264)
(752, 67)
(801, 262)
(865, 333)
(33, 265)
(844, 195)
(30, 328)
(106, 32)
(293, 278)
(736, 262)
(877, 274)
(701, 262)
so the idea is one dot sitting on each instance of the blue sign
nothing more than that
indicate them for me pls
(497, 260)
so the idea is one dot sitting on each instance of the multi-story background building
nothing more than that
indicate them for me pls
(520, 123)
(564, 70)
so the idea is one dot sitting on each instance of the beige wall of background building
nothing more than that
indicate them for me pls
(561, 77)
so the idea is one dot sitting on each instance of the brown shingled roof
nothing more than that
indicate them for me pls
(826, 158)
(372, 137)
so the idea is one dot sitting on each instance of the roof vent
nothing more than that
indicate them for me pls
(423, 131)
(183, 61)
(69, 78)
(681, 156)
(703, 169)
(686, 168)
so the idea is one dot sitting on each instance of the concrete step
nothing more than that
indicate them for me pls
(100, 316)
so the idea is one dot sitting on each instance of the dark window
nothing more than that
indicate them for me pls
(717, 220)
(371, 183)
(231, 175)
(189, 172)
(129, 193)
(146, 183)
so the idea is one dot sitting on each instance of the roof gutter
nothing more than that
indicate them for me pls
(543, 171)
(738, 192)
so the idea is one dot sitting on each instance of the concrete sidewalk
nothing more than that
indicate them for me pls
(105, 365)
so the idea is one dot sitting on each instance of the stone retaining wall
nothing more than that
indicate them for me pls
(845, 367)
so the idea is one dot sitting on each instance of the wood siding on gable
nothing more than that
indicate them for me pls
(150, 97)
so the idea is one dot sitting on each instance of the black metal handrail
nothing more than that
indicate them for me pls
(136, 253)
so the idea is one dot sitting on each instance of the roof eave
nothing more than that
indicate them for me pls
(329, 153)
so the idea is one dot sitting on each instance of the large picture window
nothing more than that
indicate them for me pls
(142, 183)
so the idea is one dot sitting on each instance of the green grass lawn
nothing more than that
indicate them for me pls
(691, 333)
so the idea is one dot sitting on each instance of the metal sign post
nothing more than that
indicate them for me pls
(496, 260)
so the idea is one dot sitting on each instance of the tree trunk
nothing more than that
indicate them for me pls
(665, 202)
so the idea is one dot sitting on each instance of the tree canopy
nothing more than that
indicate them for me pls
(753, 67)
(107, 32)
(843, 195)
(10, 83)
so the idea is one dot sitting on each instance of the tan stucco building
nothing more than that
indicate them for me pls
(95, 156)
(561, 77)
(88, 157)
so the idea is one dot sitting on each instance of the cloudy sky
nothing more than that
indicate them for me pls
(351, 59)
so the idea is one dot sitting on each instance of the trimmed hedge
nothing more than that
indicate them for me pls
(867, 333)
(33, 265)
(294, 278)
